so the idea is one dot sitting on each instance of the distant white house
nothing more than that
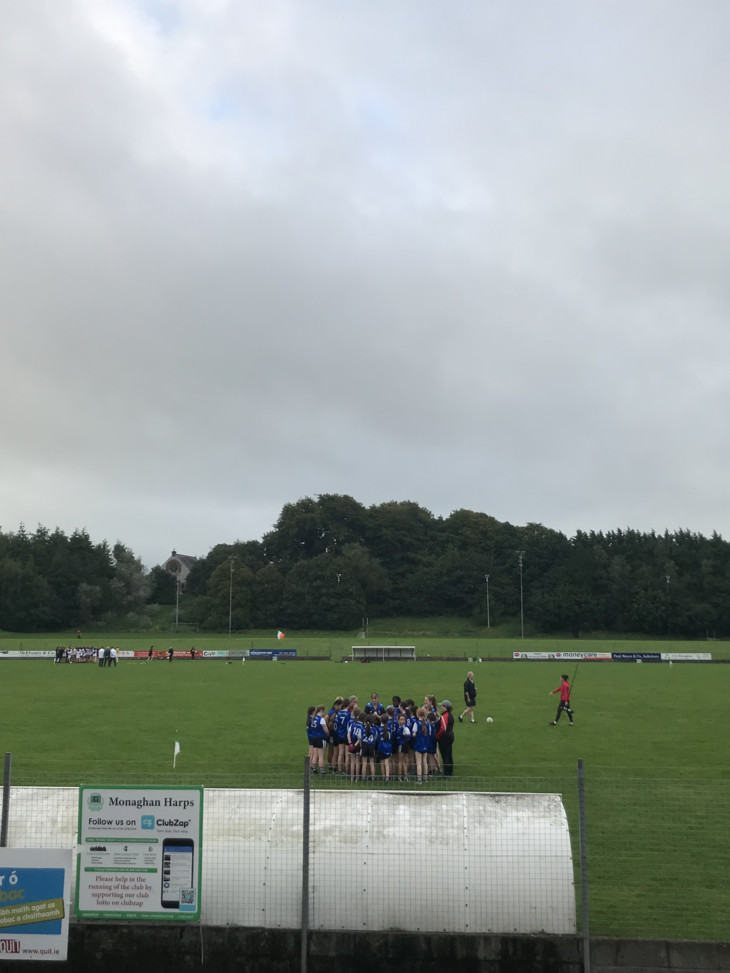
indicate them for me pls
(180, 566)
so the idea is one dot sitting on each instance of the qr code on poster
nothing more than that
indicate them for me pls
(187, 897)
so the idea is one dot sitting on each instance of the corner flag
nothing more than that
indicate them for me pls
(280, 634)
(176, 751)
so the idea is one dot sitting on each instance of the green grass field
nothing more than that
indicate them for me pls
(653, 739)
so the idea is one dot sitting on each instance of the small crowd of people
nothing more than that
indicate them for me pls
(393, 742)
(86, 653)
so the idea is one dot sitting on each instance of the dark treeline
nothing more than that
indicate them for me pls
(329, 561)
(49, 581)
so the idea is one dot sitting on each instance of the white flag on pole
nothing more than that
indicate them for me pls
(176, 751)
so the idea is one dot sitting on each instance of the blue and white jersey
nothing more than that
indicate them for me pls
(341, 724)
(432, 730)
(355, 731)
(422, 737)
(310, 728)
(370, 734)
(385, 747)
(319, 728)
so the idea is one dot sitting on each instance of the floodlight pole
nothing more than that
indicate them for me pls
(230, 600)
(669, 578)
(177, 601)
(520, 555)
(486, 578)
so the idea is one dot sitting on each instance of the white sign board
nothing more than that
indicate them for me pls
(140, 852)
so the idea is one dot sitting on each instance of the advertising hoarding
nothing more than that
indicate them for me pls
(35, 888)
(140, 852)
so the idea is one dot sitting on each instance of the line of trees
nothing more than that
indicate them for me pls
(329, 561)
(50, 581)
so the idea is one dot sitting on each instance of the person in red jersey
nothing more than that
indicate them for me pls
(564, 704)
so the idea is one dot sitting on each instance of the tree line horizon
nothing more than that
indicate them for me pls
(329, 561)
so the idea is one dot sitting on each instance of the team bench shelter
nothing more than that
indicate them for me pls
(381, 653)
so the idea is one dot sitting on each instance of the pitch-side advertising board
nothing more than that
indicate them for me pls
(35, 889)
(140, 852)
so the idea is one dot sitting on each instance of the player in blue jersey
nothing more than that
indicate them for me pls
(310, 734)
(374, 706)
(354, 742)
(403, 746)
(320, 734)
(433, 757)
(340, 724)
(421, 744)
(369, 743)
(385, 745)
(331, 747)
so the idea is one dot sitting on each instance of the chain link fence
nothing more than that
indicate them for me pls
(287, 849)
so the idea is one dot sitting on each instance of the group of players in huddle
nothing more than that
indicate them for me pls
(400, 739)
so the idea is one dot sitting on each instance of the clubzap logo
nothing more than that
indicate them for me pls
(147, 822)
(95, 802)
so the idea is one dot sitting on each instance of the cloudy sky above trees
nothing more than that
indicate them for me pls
(467, 254)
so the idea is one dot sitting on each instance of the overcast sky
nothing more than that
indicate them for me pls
(471, 254)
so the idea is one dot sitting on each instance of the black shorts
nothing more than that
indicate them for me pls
(368, 749)
(318, 744)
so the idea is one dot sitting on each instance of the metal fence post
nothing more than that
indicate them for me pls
(6, 800)
(305, 867)
(585, 923)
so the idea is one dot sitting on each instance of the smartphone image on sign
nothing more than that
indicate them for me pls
(177, 870)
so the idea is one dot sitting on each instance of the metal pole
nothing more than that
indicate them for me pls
(230, 600)
(6, 800)
(487, 580)
(305, 868)
(585, 923)
(520, 555)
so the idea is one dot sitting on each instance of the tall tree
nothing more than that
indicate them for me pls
(319, 594)
(228, 597)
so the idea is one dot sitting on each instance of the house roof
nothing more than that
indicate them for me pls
(187, 560)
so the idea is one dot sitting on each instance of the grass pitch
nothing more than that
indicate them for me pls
(652, 737)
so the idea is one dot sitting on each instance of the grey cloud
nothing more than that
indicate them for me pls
(472, 257)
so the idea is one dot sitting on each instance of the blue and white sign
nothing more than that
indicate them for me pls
(35, 889)
(270, 653)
